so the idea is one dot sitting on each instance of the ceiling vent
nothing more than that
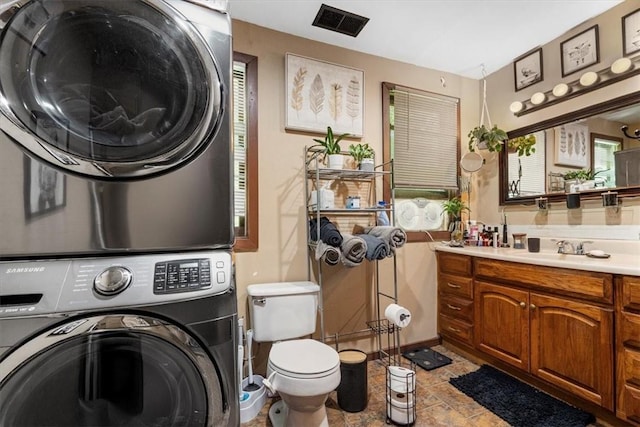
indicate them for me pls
(339, 21)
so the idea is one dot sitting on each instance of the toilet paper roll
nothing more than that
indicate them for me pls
(397, 315)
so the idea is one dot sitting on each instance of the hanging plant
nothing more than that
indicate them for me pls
(481, 136)
(523, 145)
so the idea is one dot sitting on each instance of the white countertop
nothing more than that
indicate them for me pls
(624, 259)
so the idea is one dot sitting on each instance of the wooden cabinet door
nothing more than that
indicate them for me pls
(502, 323)
(572, 347)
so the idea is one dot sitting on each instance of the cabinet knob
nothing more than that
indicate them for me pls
(533, 306)
(523, 305)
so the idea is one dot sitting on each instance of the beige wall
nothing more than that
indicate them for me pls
(283, 253)
(501, 94)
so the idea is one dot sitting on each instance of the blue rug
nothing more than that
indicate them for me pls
(518, 403)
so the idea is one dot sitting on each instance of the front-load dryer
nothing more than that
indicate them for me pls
(116, 132)
(142, 340)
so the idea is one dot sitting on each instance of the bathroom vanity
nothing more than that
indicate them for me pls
(570, 321)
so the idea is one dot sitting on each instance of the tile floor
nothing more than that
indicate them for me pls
(439, 404)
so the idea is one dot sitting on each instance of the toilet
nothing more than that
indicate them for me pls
(302, 371)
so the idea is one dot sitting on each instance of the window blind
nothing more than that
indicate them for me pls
(532, 181)
(239, 140)
(424, 140)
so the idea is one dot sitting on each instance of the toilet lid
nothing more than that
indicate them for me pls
(303, 357)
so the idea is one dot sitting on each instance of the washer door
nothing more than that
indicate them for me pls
(108, 89)
(111, 370)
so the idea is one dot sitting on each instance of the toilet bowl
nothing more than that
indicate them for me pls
(303, 372)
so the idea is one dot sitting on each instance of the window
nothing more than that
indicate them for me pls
(422, 136)
(603, 159)
(245, 147)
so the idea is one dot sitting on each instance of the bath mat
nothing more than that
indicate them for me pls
(427, 358)
(518, 403)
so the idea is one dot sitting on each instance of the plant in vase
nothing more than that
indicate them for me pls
(481, 137)
(523, 145)
(332, 151)
(585, 178)
(363, 156)
(453, 208)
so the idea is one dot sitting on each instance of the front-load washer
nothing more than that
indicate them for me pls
(142, 340)
(116, 132)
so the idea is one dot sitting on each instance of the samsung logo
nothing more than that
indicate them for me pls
(25, 270)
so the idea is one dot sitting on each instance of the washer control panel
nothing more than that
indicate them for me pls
(182, 275)
(35, 287)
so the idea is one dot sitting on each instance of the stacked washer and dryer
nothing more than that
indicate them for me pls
(117, 295)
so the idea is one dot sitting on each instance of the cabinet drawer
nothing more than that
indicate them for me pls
(629, 330)
(631, 399)
(592, 285)
(455, 285)
(456, 307)
(631, 368)
(457, 329)
(631, 293)
(454, 264)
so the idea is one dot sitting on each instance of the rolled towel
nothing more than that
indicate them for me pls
(376, 247)
(327, 253)
(394, 236)
(354, 250)
(328, 232)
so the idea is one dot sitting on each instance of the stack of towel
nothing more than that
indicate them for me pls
(375, 244)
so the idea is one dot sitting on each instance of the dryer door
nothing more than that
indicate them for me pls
(115, 370)
(108, 89)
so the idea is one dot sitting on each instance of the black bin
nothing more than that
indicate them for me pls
(353, 390)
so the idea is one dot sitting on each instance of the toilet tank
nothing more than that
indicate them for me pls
(283, 310)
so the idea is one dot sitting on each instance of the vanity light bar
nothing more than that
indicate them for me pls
(621, 69)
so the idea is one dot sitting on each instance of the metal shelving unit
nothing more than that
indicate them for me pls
(316, 175)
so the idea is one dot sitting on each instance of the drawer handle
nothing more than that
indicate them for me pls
(453, 307)
(451, 328)
(451, 285)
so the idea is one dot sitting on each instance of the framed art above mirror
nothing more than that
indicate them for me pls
(571, 149)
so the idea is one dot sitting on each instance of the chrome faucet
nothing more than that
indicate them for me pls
(568, 248)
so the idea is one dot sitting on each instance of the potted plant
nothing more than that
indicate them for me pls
(523, 145)
(453, 208)
(584, 178)
(332, 151)
(363, 156)
(491, 139)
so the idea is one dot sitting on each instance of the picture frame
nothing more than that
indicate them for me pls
(580, 51)
(527, 69)
(44, 188)
(572, 146)
(320, 94)
(631, 33)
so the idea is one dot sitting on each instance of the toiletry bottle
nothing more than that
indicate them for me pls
(496, 237)
(381, 217)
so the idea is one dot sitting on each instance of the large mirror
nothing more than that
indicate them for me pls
(578, 151)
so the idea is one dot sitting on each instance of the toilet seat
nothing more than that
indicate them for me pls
(304, 359)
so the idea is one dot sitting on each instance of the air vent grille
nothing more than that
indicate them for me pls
(339, 21)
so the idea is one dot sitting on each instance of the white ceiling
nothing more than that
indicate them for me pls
(455, 36)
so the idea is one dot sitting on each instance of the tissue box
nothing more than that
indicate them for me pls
(627, 167)
(326, 199)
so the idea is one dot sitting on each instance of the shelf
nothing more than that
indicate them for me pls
(382, 326)
(361, 211)
(352, 174)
